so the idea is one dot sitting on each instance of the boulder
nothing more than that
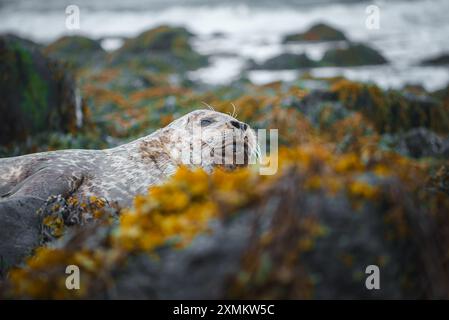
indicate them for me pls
(285, 61)
(77, 51)
(19, 230)
(318, 32)
(294, 243)
(352, 55)
(161, 49)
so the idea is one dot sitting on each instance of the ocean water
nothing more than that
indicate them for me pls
(409, 32)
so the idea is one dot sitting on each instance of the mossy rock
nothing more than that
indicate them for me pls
(318, 32)
(162, 38)
(76, 50)
(353, 55)
(37, 92)
(393, 111)
(162, 49)
(285, 61)
(437, 61)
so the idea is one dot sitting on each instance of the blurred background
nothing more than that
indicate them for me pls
(233, 32)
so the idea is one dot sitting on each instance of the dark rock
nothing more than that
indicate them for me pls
(420, 142)
(162, 49)
(293, 243)
(437, 61)
(393, 110)
(353, 55)
(209, 262)
(37, 92)
(19, 230)
(318, 32)
(77, 51)
(285, 61)
(234, 261)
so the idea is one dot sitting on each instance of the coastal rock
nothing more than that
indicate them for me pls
(437, 61)
(318, 32)
(352, 55)
(77, 51)
(162, 49)
(19, 232)
(299, 244)
(38, 94)
(285, 61)
(392, 110)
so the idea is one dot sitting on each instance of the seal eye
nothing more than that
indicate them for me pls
(206, 122)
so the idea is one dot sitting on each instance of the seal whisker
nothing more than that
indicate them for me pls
(234, 114)
(208, 105)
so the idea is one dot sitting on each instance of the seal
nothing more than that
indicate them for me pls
(119, 174)
(198, 139)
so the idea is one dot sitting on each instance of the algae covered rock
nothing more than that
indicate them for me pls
(392, 111)
(285, 61)
(38, 94)
(352, 55)
(163, 48)
(297, 241)
(318, 32)
(76, 50)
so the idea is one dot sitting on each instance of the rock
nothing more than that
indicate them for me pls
(209, 261)
(437, 61)
(164, 48)
(77, 51)
(318, 32)
(285, 61)
(19, 232)
(38, 94)
(393, 110)
(299, 244)
(420, 142)
(353, 55)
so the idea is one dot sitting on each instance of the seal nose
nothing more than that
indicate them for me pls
(239, 125)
